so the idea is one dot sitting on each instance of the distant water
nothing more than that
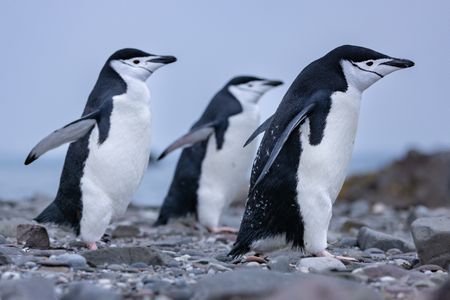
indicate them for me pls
(19, 182)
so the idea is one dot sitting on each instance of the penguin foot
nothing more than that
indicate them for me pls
(91, 246)
(222, 229)
(325, 253)
(256, 258)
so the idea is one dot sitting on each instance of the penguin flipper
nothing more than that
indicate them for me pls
(194, 136)
(67, 134)
(263, 127)
(282, 139)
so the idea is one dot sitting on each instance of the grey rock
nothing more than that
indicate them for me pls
(9, 255)
(35, 288)
(321, 264)
(443, 292)
(125, 255)
(280, 264)
(347, 242)
(263, 284)
(67, 259)
(415, 179)
(116, 267)
(432, 268)
(4, 260)
(378, 271)
(369, 238)
(139, 265)
(33, 236)
(432, 238)
(87, 291)
(124, 231)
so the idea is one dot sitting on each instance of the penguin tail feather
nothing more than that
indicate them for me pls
(238, 250)
(52, 214)
(162, 220)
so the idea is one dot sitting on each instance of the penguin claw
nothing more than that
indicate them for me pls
(91, 246)
(223, 229)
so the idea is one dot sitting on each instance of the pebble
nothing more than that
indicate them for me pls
(321, 264)
(68, 259)
(116, 267)
(33, 236)
(369, 238)
(432, 238)
(188, 257)
(10, 275)
(280, 264)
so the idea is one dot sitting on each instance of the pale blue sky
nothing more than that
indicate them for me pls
(52, 52)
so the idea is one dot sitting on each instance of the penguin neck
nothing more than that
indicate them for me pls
(244, 97)
(135, 88)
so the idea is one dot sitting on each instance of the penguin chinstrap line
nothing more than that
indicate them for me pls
(109, 150)
(301, 162)
(214, 166)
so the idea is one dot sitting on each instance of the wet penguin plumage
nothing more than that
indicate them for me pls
(109, 150)
(213, 168)
(302, 159)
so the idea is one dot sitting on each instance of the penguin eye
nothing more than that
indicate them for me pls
(369, 63)
(136, 61)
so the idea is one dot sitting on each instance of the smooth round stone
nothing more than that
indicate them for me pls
(394, 251)
(116, 267)
(72, 260)
(252, 264)
(321, 264)
(30, 264)
(139, 265)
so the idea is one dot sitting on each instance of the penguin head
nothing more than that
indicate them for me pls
(363, 67)
(250, 88)
(137, 64)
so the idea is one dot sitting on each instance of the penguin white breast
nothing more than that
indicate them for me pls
(323, 167)
(225, 170)
(114, 169)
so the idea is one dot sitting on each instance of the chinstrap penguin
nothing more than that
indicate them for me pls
(211, 171)
(302, 159)
(109, 150)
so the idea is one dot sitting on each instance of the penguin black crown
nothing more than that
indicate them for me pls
(302, 159)
(109, 150)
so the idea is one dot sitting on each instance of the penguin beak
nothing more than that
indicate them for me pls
(399, 63)
(273, 83)
(160, 59)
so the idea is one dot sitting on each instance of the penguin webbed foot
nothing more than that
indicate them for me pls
(256, 258)
(325, 253)
(91, 246)
(222, 229)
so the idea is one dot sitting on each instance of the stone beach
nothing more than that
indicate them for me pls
(182, 261)
(401, 252)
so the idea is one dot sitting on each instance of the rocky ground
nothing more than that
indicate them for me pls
(179, 261)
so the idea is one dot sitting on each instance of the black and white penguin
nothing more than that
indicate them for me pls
(302, 159)
(109, 150)
(213, 169)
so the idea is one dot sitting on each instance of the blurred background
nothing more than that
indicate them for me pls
(52, 52)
